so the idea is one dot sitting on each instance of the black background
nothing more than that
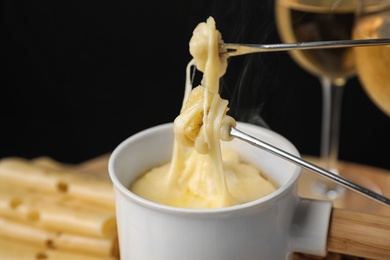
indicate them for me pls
(78, 77)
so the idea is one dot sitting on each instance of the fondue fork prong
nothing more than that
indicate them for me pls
(307, 165)
(236, 49)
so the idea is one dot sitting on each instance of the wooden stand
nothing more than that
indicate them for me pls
(359, 234)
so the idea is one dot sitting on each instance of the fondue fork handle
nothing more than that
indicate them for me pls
(307, 165)
(236, 49)
(359, 234)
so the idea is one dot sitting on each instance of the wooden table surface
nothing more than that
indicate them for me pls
(370, 177)
(376, 179)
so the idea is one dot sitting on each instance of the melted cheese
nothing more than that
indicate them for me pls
(201, 174)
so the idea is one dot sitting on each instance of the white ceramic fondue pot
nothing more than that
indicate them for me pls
(269, 228)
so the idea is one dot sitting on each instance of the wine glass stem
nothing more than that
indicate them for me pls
(332, 92)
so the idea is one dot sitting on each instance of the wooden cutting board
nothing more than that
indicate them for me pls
(353, 234)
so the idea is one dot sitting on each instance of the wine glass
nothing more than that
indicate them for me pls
(373, 63)
(321, 20)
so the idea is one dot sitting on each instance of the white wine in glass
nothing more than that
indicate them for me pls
(322, 20)
(373, 63)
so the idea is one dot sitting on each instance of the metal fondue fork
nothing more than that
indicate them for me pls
(305, 164)
(235, 49)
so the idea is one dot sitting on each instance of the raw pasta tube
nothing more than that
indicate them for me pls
(46, 239)
(25, 174)
(56, 212)
(49, 163)
(10, 250)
